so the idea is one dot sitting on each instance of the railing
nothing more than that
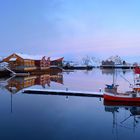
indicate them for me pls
(10, 70)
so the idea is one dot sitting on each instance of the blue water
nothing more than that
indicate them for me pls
(31, 116)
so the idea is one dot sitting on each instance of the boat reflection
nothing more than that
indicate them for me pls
(131, 114)
(15, 84)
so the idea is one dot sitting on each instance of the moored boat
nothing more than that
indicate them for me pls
(126, 97)
(111, 93)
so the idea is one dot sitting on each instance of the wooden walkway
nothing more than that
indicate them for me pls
(63, 92)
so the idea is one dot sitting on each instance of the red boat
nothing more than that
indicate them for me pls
(120, 103)
(131, 96)
(136, 86)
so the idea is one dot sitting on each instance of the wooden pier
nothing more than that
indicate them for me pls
(63, 92)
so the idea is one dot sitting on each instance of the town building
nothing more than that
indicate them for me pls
(56, 61)
(108, 63)
(22, 62)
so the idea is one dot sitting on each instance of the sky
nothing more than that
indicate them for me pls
(71, 28)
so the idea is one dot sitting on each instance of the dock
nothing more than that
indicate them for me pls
(63, 92)
(78, 67)
(116, 66)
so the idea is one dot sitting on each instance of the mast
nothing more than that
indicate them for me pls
(115, 124)
(11, 103)
(114, 77)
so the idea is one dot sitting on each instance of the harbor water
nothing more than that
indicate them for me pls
(57, 117)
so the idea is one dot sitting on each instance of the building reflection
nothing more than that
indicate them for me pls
(16, 84)
(117, 71)
(108, 71)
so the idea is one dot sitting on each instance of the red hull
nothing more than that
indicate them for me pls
(119, 98)
(120, 103)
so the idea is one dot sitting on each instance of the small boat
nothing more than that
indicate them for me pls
(111, 93)
(127, 97)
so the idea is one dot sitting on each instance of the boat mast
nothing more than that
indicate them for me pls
(113, 77)
(115, 125)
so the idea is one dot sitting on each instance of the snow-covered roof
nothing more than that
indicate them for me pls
(35, 57)
(32, 57)
(115, 59)
(13, 59)
(55, 58)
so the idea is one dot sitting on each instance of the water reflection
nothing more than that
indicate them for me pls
(125, 115)
(56, 117)
(117, 71)
(15, 84)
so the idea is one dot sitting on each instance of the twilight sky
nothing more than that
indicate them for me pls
(71, 28)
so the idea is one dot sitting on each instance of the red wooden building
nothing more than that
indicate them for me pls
(24, 62)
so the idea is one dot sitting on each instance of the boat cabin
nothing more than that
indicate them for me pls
(111, 88)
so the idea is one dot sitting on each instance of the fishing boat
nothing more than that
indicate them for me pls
(111, 93)
(127, 97)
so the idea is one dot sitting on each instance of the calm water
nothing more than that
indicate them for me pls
(31, 116)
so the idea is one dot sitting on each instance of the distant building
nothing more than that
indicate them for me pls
(20, 62)
(56, 61)
(43, 63)
(108, 63)
(115, 62)
(23, 62)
